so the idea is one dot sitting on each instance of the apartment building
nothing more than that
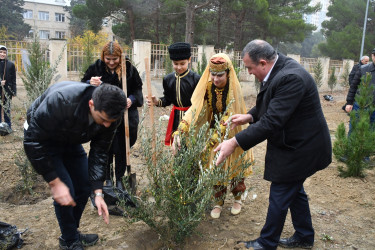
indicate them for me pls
(47, 18)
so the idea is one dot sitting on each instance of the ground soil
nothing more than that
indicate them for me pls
(343, 210)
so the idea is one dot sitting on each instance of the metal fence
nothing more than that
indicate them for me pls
(17, 49)
(159, 53)
(76, 57)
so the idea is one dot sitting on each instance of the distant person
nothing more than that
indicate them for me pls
(351, 104)
(216, 89)
(8, 87)
(66, 115)
(287, 114)
(364, 60)
(108, 69)
(178, 87)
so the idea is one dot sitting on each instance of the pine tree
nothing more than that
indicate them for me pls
(332, 81)
(359, 144)
(37, 74)
(318, 73)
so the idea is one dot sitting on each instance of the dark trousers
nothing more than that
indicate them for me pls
(284, 196)
(72, 168)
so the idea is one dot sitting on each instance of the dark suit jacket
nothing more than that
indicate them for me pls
(289, 116)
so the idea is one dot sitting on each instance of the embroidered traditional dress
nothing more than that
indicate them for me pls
(211, 100)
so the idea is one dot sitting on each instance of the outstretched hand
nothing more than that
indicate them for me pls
(60, 193)
(225, 148)
(176, 145)
(102, 208)
(239, 119)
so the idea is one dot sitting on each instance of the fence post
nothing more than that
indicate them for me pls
(141, 50)
(57, 47)
(325, 65)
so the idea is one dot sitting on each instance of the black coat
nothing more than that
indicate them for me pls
(370, 67)
(289, 116)
(10, 77)
(134, 92)
(60, 116)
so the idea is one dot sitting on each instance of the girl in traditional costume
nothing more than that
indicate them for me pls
(212, 96)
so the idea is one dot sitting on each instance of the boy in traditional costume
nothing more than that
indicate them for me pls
(178, 87)
(217, 87)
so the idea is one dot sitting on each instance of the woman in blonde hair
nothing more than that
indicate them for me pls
(217, 87)
(107, 69)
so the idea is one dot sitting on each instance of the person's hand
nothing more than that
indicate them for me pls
(239, 119)
(226, 148)
(152, 101)
(3, 82)
(348, 108)
(96, 80)
(129, 103)
(60, 193)
(176, 145)
(102, 207)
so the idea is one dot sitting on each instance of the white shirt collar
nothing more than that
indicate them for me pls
(269, 72)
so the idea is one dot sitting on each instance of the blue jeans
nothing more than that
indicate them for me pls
(72, 168)
(284, 196)
(356, 108)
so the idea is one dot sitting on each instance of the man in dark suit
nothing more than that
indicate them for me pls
(289, 116)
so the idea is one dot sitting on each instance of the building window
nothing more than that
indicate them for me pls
(43, 15)
(44, 34)
(60, 34)
(31, 34)
(28, 14)
(59, 17)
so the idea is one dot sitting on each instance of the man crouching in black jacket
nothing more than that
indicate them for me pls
(66, 115)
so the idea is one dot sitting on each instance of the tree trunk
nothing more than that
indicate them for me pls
(238, 34)
(189, 22)
(218, 37)
(130, 13)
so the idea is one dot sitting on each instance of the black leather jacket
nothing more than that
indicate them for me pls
(368, 68)
(60, 116)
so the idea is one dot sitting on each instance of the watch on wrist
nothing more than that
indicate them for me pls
(99, 194)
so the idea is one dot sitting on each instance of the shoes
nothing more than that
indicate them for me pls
(83, 240)
(236, 211)
(77, 245)
(88, 239)
(251, 244)
(216, 215)
(293, 242)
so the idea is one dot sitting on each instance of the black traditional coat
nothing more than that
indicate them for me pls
(289, 116)
(178, 90)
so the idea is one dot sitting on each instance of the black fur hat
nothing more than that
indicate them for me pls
(179, 51)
